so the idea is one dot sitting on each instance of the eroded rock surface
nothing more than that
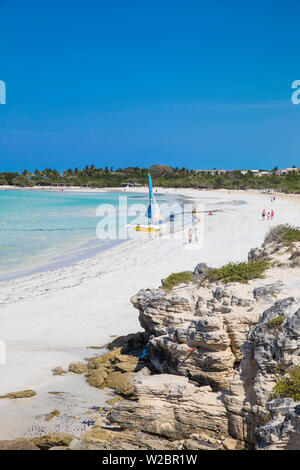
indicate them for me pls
(196, 331)
(171, 407)
(283, 429)
(217, 354)
(201, 374)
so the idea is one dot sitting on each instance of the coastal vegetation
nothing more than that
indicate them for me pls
(286, 235)
(276, 322)
(163, 176)
(288, 386)
(238, 272)
(177, 278)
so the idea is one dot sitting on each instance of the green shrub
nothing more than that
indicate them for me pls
(267, 417)
(238, 272)
(288, 386)
(285, 234)
(177, 278)
(276, 322)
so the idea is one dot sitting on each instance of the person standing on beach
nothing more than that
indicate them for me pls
(272, 214)
(263, 214)
(196, 234)
(190, 234)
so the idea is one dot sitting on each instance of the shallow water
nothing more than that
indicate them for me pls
(77, 403)
(48, 229)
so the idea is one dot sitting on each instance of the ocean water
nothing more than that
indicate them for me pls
(42, 229)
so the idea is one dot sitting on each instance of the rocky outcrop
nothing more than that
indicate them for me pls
(268, 351)
(78, 368)
(18, 444)
(181, 408)
(56, 441)
(115, 369)
(196, 331)
(201, 375)
(168, 413)
(51, 415)
(171, 407)
(100, 438)
(59, 371)
(217, 351)
(21, 394)
(48, 441)
(268, 292)
(283, 429)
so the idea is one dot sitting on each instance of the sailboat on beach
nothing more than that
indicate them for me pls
(153, 212)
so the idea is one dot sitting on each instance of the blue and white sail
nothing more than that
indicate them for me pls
(153, 212)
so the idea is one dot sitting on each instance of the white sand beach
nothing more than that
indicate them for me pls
(49, 319)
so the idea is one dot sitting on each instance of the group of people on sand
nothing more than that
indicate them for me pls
(193, 235)
(267, 215)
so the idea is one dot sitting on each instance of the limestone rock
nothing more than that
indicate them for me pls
(52, 440)
(201, 270)
(121, 383)
(113, 401)
(18, 444)
(59, 371)
(129, 343)
(52, 415)
(78, 368)
(21, 394)
(128, 366)
(190, 337)
(268, 292)
(216, 356)
(105, 360)
(267, 352)
(171, 407)
(98, 438)
(97, 377)
(282, 432)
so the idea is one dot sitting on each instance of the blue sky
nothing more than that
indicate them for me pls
(121, 83)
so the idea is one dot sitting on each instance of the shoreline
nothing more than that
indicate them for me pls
(145, 189)
(57, 314)
(77, 249)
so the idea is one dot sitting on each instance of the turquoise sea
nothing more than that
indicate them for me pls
(45, 229)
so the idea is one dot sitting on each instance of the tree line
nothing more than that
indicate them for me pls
(163, 176)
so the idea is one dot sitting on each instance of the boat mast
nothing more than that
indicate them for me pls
(150, 198)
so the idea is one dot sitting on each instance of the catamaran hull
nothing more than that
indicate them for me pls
(146, 228)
